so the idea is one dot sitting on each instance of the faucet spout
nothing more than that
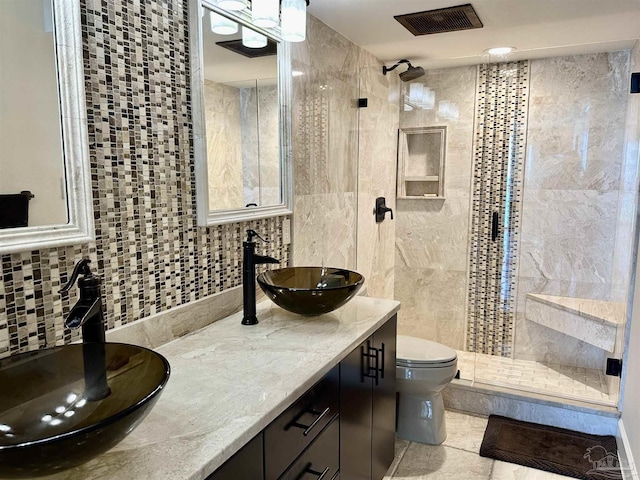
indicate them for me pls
(82, 311)
(87, 313)
(261, 259)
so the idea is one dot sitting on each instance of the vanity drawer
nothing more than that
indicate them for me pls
(289, 434)
(321, 459)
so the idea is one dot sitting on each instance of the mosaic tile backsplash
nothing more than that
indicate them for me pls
(148, 249)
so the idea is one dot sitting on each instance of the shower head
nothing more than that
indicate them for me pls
(411, 74)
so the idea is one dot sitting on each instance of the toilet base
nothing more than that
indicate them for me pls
(421, 419)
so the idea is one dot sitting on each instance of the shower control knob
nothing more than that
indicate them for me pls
(381, 209)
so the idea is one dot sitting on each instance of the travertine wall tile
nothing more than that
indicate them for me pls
(324, 230)
(432, 235)
(433, 304)
(325, 148)
(576, 222)
(377, 152)
(225, 145)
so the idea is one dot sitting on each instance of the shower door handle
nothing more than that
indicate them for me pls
(494, 226)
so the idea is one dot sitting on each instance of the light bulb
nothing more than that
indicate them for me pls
(499, 50)
(294, 20)
(265, 13)
(222, 25)
(253, 39)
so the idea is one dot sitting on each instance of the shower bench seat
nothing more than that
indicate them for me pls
(593, 321)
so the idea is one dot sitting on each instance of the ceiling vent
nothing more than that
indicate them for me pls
(451, 19)
(236, 46)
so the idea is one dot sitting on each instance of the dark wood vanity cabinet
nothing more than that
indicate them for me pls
(368, 406)
(321, 459)
(341, 428)
(246, 464)
(299, 426)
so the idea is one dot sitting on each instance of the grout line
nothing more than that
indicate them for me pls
(493, 464)
(457, 448)
(400, 458)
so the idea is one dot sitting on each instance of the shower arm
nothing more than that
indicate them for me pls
(385, 69)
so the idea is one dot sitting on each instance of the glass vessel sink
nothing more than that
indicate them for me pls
(63, 406)
(310, 290)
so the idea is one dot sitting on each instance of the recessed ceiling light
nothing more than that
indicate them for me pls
(499, 50)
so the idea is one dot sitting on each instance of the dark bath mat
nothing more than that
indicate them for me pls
(556, 450)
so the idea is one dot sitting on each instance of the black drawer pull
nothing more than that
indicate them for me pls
(308, 428)
(320, 475)
(382, 366)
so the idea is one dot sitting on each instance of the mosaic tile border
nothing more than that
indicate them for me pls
(499, 152)
(148, 249)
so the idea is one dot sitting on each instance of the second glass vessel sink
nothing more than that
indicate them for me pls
(310, 290)
(61, 407)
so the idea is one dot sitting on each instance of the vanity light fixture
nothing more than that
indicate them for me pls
(291, 15)
(222, 25)
(232, 5)
(499, 51)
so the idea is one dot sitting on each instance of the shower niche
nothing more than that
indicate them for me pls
(421, 162)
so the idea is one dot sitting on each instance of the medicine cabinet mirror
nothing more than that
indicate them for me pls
(241, 94)
(45, 182)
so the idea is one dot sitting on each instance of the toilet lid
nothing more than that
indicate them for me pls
(412, 350)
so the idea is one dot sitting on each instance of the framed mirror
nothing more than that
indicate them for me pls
(241, 84)
(45, 182)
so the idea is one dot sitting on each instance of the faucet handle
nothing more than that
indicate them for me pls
(81, 268)
(252, 233)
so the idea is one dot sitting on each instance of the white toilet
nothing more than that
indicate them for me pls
(423, 369)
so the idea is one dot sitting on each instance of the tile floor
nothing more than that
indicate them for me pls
(457, 457)
(568, 382)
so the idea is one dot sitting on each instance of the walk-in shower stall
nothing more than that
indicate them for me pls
(524, 263)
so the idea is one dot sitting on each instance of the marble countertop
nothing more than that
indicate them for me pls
(228, 382)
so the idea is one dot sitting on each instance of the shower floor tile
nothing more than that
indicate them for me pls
(568, 382)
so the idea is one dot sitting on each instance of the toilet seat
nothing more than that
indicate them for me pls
(420, 353)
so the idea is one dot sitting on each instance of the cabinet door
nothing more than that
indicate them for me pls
(384, 401)
(246, 464)
(355, 415)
